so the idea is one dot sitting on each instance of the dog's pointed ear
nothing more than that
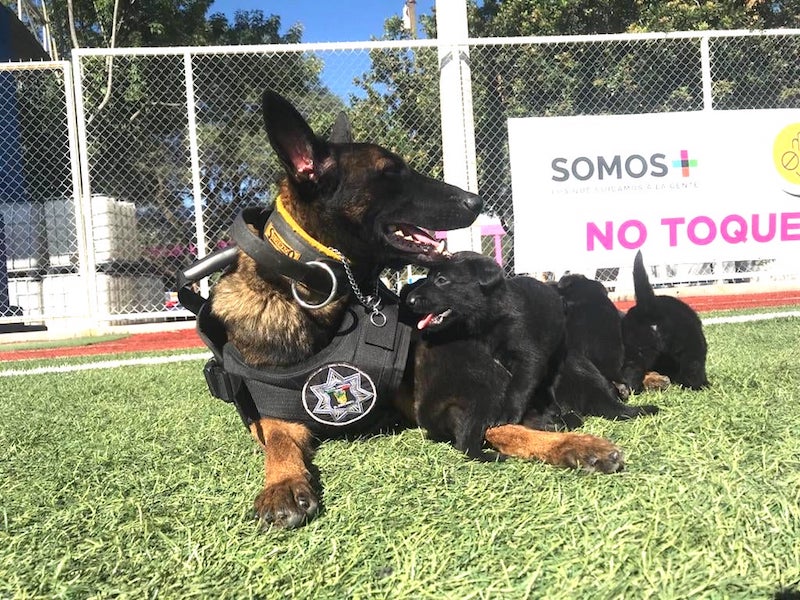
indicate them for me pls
(304, 156)
(488, 273)
(342, 132)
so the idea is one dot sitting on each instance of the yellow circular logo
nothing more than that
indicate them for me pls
(786, 153)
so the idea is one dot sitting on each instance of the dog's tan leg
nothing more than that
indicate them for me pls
(288, 498)
(655, 381)
(563, 449)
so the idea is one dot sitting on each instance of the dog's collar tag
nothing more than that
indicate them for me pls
(338, 394)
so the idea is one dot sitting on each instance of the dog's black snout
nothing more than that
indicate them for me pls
(411, 300)
(473, 203)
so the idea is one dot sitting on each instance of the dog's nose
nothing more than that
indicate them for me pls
(473, 203)
(411, 300)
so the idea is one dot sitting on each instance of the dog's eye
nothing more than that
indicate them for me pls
(392, 170)
(440, 280)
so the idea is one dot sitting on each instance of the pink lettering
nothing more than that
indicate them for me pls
(606, 238)
(640, 230)
(736, 234)
(691, 231)
(790, 223)
(672, 223)
(766, 237)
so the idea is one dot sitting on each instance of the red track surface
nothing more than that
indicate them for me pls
(733, 301)
(140, 342)
(187, 338)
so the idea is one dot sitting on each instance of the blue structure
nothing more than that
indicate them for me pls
(16, 43)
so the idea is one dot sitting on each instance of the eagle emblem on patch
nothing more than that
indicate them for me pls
(338, 394)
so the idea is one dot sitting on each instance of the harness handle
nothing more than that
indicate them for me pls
(216, 261)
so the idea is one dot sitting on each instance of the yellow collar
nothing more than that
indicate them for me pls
(295, 226)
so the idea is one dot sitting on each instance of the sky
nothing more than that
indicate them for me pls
(327, 20)
(332, 21)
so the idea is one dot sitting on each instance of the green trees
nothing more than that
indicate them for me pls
(561, 78)
(137, 127)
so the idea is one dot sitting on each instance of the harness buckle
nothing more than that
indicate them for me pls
(220, 383)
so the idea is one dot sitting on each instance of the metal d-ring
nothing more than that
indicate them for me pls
(327, 300)
(377, 318)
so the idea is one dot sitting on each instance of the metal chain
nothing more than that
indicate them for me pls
(373, 302)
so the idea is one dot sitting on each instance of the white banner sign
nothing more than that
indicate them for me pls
(682, 187)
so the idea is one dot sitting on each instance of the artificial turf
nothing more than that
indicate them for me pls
(134, 483)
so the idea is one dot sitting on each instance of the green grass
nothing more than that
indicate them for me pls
(134, 483)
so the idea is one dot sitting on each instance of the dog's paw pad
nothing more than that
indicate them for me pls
(286, 504)
(593, 454)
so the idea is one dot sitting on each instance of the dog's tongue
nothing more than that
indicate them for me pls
(423, 237)
(425, 321)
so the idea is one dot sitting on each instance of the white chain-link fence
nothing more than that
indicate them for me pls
(39, 211)
(171, 144)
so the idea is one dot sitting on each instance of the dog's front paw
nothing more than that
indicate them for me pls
(590, 453)
(655, 381)
(623, 391)
(286, 504)
(564, 449)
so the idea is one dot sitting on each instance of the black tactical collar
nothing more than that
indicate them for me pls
(279, 248)
(285, 249)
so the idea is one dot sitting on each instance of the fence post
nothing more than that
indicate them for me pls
(708, 105)
(70, 93)
(194, 157)
(705, 67)
(84, 226)
(455, 98)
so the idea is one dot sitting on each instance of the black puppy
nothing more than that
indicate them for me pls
(594, 325)
(663, 334)
(487, 344)
(589, 382)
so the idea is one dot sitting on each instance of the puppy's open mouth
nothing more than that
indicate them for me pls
(415, 240)
(433, 319)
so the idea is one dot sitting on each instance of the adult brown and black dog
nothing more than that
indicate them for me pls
(366, 202)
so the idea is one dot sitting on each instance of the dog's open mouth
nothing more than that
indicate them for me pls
(412, 239)
(433, 319)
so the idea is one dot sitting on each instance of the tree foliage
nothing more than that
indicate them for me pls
(401, 103)
(402, 93)
(137, 119)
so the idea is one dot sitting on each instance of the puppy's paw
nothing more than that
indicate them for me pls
(644, 410)
(286, 504)
(589, 453)
(623, 391)
(655, 381)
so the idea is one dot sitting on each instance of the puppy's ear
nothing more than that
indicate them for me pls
(342, 132)
(489, 274)
(304, 156)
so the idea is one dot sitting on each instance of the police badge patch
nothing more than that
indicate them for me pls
(338, 394)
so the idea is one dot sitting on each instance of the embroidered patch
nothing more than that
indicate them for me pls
(280, 244)
(338, 394)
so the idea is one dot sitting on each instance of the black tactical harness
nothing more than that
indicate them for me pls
(347, 387)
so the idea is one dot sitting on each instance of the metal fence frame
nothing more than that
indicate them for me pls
(457, 158)
(79, 319)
